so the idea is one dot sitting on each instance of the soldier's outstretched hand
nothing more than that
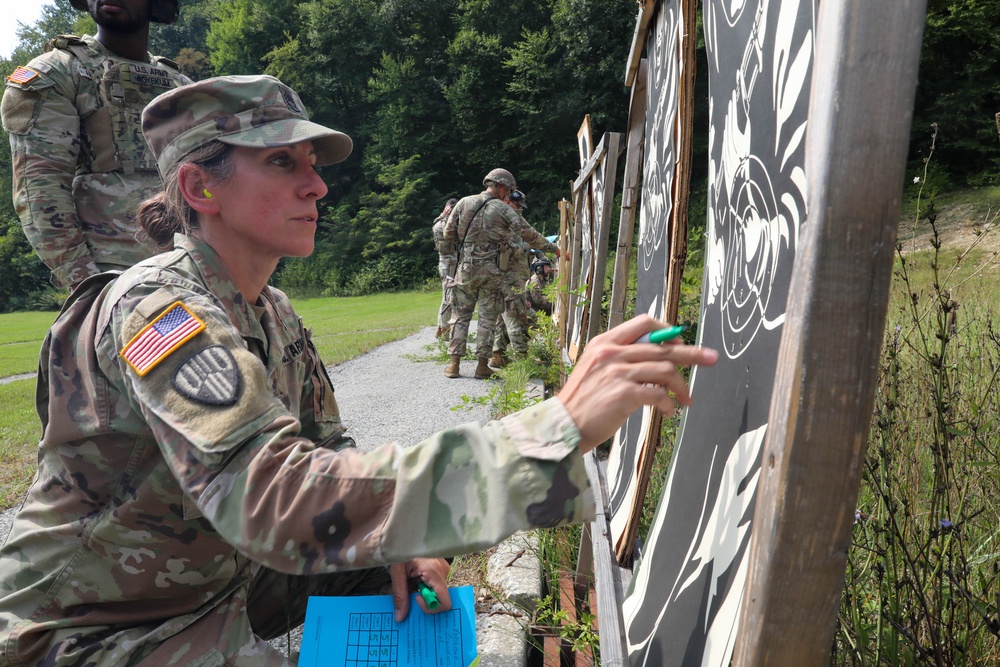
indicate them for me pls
(615, 376)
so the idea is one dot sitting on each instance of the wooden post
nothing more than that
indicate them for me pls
(682, 175)
(635, 141)
(575, 260)
(561, 311)
(602, 229)
(864, 77)
(642, 21)
(610, 580)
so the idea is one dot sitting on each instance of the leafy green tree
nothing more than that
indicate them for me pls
(22, 274)
(186, 40)
(387, 213)
(959, 89)
(243, 33)
(57, 18)
(545, 108)
(476, 93)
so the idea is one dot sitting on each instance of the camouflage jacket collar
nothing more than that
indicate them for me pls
(217, 279)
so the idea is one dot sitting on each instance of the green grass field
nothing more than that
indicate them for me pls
(21, 335)
(343, 328)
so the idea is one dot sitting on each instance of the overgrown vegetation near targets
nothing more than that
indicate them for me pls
(923, 576)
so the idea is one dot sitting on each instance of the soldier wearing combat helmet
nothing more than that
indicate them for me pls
(483, 228)
(80, 163)
(515, 319)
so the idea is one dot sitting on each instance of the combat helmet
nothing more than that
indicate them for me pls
(500, 177)
(540, 263)
(160, 11)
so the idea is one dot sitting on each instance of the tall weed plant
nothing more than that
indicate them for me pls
(924, 565)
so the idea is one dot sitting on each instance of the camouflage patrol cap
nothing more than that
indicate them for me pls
(160, 11)
(251, 111)
(500, 177)
(520, 199)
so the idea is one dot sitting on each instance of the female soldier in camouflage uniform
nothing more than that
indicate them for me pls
(195, 484)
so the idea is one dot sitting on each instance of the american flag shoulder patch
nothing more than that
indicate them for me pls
(172, 328)
(22, 75)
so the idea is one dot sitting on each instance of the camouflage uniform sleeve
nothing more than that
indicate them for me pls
(528, 234)
(44, 128)
(451, 224)
(298, 508)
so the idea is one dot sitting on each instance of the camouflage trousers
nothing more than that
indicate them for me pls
(514, 322)
(482, 285)
(230, 633)
(446, 270)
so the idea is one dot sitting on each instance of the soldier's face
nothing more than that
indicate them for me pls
(267, 209)
(120, 15)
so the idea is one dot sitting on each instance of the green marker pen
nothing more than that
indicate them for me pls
(662, 335)
(428, 594)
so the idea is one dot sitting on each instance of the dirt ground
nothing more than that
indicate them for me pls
(960, 226)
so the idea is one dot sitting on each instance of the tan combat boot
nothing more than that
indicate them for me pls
(483, 370)
(451, 370)
(498, 360)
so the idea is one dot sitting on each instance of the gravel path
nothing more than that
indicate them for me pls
(386, 395)
(390, 394)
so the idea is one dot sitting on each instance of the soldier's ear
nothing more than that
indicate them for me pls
(191, 181)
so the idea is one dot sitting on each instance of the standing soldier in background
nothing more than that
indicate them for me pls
(481, 226)
(446, 267)
(513, 322)
(80, 163)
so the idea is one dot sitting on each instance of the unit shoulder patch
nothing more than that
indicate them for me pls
(209, 376)
(160, 338)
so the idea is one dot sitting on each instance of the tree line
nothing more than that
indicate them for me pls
(437, 92)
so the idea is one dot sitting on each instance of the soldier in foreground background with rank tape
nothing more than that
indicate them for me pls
(195, 484)
(80, 164)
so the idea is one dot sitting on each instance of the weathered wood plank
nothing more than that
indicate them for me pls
(575, 267)
(587, 170)
(610, 580)
(583, 578)
(561, 311)
(642, 21)
(602, 230)
(635, 142)
(865, 74)
(682, 174)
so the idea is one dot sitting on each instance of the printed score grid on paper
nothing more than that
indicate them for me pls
(359, 631)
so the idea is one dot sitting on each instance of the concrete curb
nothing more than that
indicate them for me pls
(514, 571)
